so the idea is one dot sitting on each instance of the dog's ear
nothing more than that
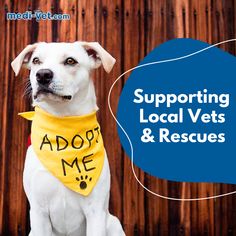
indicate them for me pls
(99, 55)
(23, 58)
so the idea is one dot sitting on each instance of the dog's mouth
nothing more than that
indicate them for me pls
(43, 90)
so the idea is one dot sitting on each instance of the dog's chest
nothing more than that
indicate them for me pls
(48, 194)
(65, 208)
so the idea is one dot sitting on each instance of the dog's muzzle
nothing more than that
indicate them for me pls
(44, 78)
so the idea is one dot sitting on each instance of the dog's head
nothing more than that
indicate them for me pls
(59, 71)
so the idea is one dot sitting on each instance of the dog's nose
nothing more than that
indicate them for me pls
(44, 76)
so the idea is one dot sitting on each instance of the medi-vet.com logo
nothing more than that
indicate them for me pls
(37, 15)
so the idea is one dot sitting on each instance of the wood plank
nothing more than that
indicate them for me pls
(15, 212)
(157, 209)
(4, 26)
(67, 29)
(110, 19)
(134, 49)
(45, 32)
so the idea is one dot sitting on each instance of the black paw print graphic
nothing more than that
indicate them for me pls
(83, 181)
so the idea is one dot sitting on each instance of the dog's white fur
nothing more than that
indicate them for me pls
(55, 209)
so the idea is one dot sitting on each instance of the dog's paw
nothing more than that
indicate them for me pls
(83, 180)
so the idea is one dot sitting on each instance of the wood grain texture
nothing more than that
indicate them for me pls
(128, 30)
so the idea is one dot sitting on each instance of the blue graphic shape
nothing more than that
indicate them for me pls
(213, 70)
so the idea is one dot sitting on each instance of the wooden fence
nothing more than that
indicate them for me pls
(128, 30)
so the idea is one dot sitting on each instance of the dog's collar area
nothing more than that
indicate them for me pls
(29, 115)
(70, 148)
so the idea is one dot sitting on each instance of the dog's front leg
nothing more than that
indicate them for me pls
(40, 223)
(96, 223)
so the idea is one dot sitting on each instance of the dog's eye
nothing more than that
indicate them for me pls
(70, 61)
(36, 60)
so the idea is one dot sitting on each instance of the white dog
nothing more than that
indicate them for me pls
(61, 85)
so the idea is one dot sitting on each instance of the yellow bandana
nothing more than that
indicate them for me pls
(71, 148)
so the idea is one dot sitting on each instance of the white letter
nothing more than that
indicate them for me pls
(136, 93)
(194, 117)
(160, 98)
(221, 117)
(163, 135)
(171, 98)
(224, 100)
(142, 120)
(221, 137)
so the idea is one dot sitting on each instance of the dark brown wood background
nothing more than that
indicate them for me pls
(128, 30)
